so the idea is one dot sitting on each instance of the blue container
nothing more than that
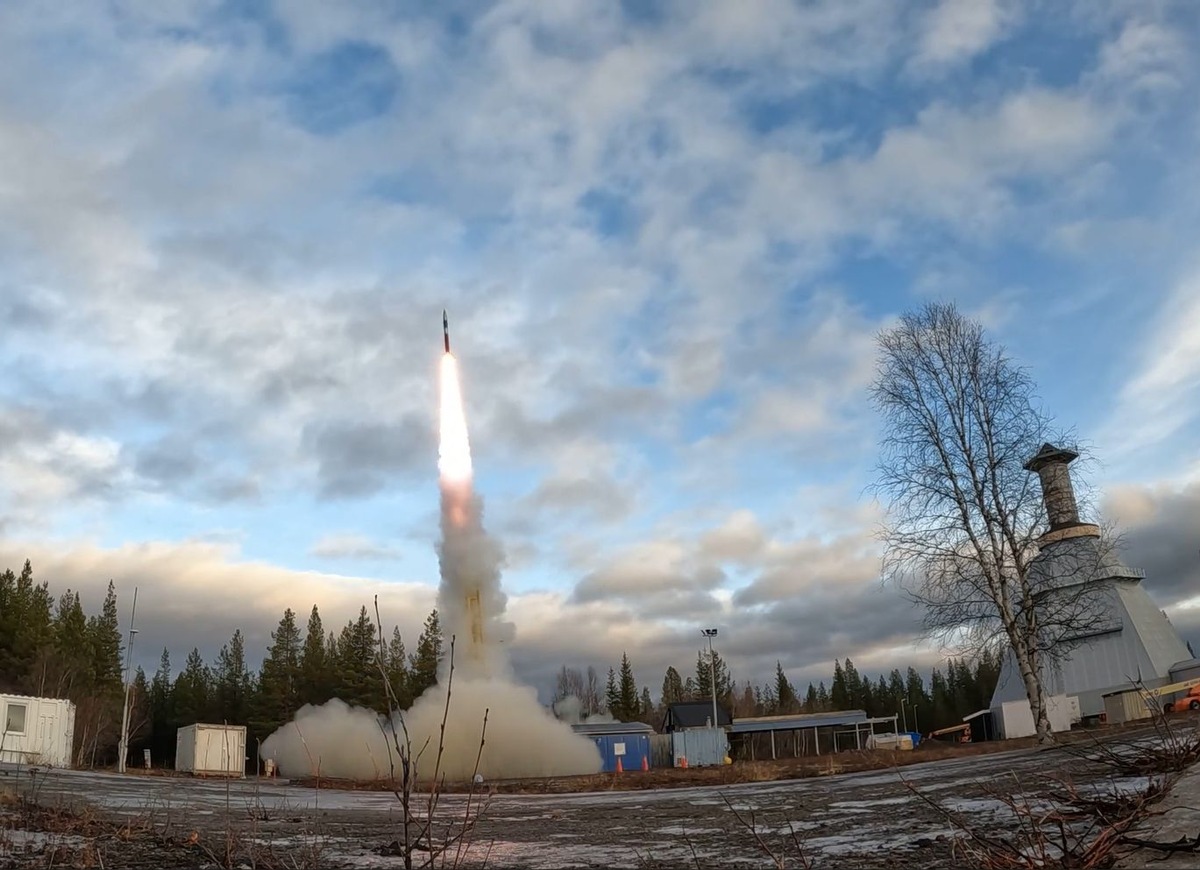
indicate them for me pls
(630, 748)
(916, 738)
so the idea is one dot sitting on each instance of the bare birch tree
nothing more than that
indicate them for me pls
(964, 513)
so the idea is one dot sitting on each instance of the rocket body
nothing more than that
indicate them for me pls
(446, 330)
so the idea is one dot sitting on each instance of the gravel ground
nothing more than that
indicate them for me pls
(864, 820)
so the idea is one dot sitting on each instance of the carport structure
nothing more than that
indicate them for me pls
(803, 733)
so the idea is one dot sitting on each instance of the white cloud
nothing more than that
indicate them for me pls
(352, 546)
(956, 31)
(1161, 395)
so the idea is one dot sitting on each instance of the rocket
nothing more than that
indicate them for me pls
(446, 330)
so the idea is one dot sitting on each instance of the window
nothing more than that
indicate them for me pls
(14, 719)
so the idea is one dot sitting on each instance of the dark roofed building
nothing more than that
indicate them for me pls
(694, 714)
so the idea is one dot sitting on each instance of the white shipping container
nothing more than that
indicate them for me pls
(1015, 718)
(895, 742)
(38, 731)
(211, 750)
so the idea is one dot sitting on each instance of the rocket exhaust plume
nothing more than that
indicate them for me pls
(523, 738)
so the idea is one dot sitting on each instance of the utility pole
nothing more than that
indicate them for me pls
(123, 751)
(710, 633)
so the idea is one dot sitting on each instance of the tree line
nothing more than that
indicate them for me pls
(54, 649)
(959, 689)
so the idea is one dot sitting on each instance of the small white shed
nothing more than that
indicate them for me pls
(1015, 718)
(37, 730)
(211, 750)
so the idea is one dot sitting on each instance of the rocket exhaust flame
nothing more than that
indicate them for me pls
(523, 739)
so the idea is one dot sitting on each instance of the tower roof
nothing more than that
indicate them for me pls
(1049, 454)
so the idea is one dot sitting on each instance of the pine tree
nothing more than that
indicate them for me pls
(704, 671)
(785, 694)
(104, 641)
(646, 714)
(397, 670)
(914, 689)
(824, 703)
(191, 692)
(358, 677)
(884, 705)
(32, 635)
(424, 662)
(672, 687)
(627, 691)
(896, 689)
(811, 705)
(612, 696)
(232, 678)
(942, 703)
(315, 672)
(854, 687)
(279, 679)
(162, 712)
(689, 690)
(70, 674)
(839, 691)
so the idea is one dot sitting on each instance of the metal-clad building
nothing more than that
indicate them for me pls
(804, 733)
(1130, 637)
(627, 741)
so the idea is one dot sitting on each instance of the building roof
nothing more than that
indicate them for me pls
(694, 714)
(800, 720)
(1185, 665)
(596, 729)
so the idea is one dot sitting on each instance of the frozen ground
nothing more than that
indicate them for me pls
(853, 820)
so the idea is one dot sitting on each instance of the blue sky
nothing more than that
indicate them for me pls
(666, 235)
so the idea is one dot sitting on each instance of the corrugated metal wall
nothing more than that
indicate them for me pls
(661, 754)
(701, 746)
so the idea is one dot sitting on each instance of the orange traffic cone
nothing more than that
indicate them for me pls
(683, 761)
(620, 767)
(645, 763)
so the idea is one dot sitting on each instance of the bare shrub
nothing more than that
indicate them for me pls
(424, 832)
(1173, 748)
(1064, 830)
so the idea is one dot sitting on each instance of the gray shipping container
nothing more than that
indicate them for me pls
(701, 747)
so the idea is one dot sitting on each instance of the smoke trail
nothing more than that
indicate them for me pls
(470, 599)
(523, 738)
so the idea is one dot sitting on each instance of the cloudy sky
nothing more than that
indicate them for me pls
(666, 233)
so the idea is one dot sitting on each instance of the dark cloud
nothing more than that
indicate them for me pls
(356, 460)
(1161, 536)
(168, 461)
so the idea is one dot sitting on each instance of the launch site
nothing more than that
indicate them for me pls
(805, 475)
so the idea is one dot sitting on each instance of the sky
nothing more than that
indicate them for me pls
(666, 234)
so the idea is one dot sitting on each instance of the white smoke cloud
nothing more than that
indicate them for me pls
(522, 739)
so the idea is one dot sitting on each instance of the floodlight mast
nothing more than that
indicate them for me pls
(710, 633)
(123, 750)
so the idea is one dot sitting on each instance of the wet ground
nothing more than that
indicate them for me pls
(861, 820)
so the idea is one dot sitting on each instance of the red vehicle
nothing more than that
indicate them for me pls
(1190, 701)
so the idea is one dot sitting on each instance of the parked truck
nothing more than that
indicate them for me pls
(1190, 701)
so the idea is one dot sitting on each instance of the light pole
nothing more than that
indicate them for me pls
(124, 743)
(710, 633)
(916, 727)
(903, 715)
